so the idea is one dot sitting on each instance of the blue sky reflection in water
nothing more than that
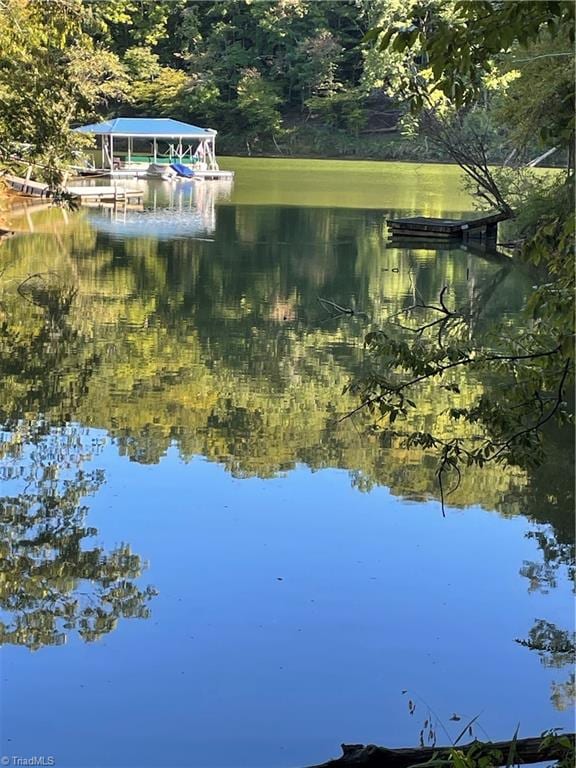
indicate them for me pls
(305, 575)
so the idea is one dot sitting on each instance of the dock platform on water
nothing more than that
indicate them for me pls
(482, 228)
(82, 194)
(112, 194)
(213, 175)
(143, 172)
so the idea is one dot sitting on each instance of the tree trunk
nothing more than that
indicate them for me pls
(371, 756)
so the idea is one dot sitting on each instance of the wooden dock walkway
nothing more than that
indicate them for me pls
(82, 194)
(112, 194)
(482, 228)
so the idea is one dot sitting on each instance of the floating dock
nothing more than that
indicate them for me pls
(213, 175)
(483, 228)
(82, 194)
(143, 172)
(113, 194)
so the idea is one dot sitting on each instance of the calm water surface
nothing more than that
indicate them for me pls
(200, 567)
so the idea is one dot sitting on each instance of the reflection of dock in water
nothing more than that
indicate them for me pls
(26, 216)
(172, 211)
(485, 249)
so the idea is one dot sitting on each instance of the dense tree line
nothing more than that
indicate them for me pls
(288, 77)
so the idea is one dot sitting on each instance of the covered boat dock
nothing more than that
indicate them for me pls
(149, 142)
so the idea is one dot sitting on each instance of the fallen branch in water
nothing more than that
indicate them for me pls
(327, 304)
(532, 750)
(336, 310)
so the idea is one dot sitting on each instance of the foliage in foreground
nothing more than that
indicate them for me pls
(480, 751)
(483, 755)
(530, 372)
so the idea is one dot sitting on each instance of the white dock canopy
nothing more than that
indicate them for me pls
(176, 134)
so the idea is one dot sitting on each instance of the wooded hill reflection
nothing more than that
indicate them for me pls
(223, 350)
(54, 581)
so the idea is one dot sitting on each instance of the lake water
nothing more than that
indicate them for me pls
(201, 566)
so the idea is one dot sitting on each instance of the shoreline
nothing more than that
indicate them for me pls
(357, 159)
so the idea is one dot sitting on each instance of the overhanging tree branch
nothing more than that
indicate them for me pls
(469, 360)
(455, 135)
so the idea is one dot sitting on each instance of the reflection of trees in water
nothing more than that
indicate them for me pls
(556, 556)
(53, 581)
(563, 694)
(224, 350)
(44, 362)
(556, 648)
(549, 503)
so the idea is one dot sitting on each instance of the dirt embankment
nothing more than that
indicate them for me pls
(6, 199)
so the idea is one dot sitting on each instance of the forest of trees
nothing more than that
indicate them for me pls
(291, 77)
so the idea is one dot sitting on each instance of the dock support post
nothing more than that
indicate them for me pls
(215, 166)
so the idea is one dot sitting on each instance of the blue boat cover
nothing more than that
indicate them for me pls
(182, 170)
